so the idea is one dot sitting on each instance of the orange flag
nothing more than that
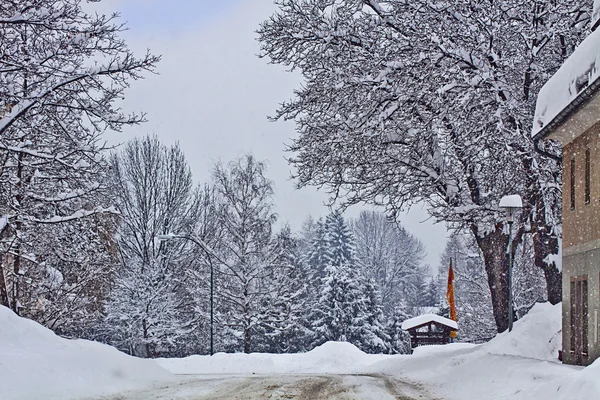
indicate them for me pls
(450, 297)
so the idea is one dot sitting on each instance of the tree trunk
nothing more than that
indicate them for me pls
(247, 334)
(545, 244)
(15, 280)
(3, 291)
(493, 246)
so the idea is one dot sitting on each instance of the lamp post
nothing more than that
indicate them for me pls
(210, 253)
(511, 204)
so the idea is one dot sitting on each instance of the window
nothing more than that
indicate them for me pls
(587, 176)
(572, 183)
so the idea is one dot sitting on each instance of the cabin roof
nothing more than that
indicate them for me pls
(427, 318)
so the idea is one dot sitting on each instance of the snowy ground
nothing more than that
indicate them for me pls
(35, 364)
(281, 386)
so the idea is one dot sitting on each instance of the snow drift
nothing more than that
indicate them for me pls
(36, 364)
(537, 335)
(329, 358)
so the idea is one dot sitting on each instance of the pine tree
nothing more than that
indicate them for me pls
(340, 242)
(349, 305)
(283, 330)
(399, 339)
(373, 337)
(318, 256)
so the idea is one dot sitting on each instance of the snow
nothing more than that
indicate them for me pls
(3, 222)
(37, 364)
(425, 318)
(519, 365)
(329, 358)
(577, 72)
(596, 12)
(555, 258)
(512, 201)
(524, 340)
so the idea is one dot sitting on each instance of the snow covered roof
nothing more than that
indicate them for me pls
(569, 87)
(596, 14)
(426, 318)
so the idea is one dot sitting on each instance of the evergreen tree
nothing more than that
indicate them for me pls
(283, 331)
(318, 256)
(340, 242)
(399, 338)
(349, 305)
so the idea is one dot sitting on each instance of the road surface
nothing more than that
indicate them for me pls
(279, 387)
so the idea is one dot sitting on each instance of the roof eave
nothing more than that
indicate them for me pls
(575, 105)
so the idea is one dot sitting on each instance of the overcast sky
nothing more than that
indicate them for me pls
(213, 95)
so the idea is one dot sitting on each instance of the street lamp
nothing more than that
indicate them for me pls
(210, 253)
(511, 204)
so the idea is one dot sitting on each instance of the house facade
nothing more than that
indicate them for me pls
(568, 111)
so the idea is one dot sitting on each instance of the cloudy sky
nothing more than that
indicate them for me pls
(213, 94)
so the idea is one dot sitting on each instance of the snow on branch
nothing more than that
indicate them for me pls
(75, 216)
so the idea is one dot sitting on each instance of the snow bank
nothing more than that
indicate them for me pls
(519, 365)
(329, 358)
(37, 364)
(577, 72)
(537, 335)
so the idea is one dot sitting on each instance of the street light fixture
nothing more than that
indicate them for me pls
(210, 253)
(511, 204)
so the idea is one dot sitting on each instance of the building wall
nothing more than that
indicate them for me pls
(582, 225)
(581, 238)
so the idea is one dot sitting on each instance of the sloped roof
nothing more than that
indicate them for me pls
(569, 88)
(425, 319)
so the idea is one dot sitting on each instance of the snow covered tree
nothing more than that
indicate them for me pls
(349, 305)
(153, 190)
(61, 72)
(317, 253)
(284, 330)
(339, 239)
(391, 256)
(528, 284)
(410, 102)
(348, 311)
(72, 274)
(399, 339)
(472, 293)
(248, 250)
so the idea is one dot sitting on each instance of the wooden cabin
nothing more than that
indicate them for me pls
(429, 329)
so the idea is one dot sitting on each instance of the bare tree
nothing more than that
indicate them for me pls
(248, 251)
(390, 256)
(153, 191)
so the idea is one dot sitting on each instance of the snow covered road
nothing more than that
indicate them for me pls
(297, 386)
